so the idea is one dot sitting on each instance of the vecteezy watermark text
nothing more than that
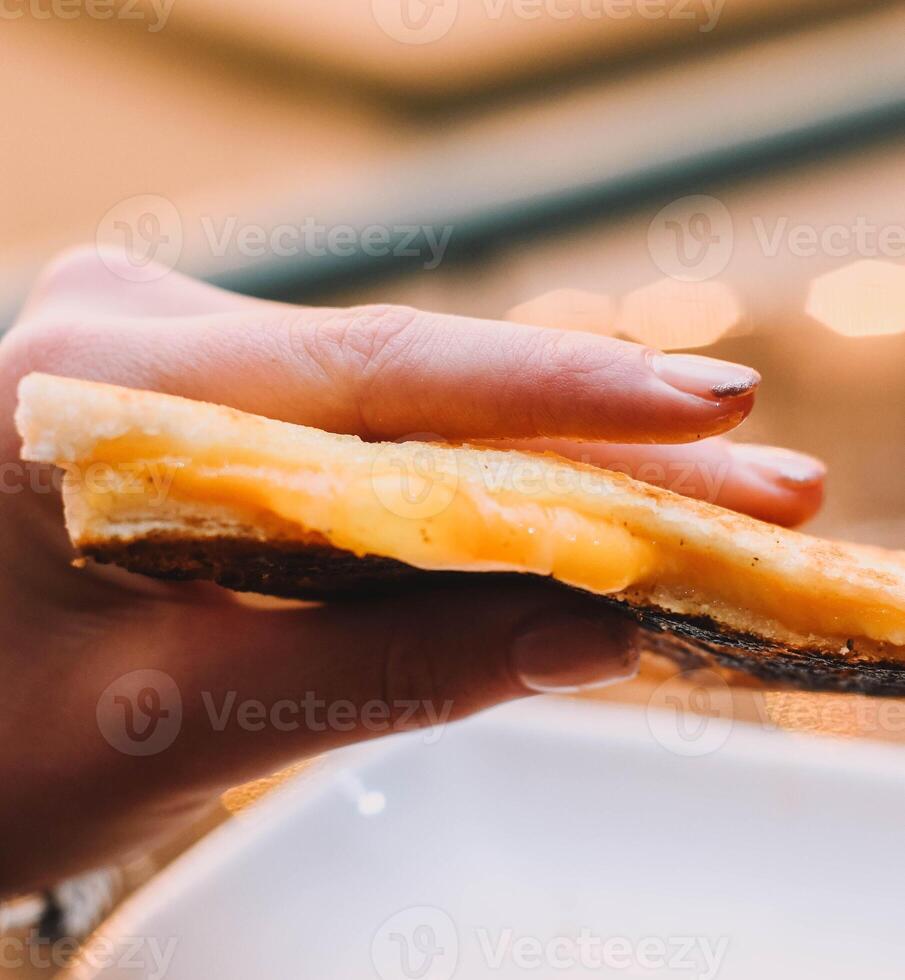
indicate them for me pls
(698, 956)
(694, 238)
(421, 481)
(148, 232)
(147, 956)
(141, 714)
(310, 713)
(155, 13)
(425, 941)
(426, 21)
(311, 237)
(149, 478)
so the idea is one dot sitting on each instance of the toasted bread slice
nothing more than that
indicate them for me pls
(179, 489)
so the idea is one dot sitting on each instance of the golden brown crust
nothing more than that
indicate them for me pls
(316, 570)
(206, 471)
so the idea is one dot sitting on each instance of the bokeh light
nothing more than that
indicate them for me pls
(568, 309)
(863, 299)
(670, 314)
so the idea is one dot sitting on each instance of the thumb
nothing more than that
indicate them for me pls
(261, 688)
(190, 695)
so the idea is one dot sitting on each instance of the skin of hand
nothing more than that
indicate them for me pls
(73, 799)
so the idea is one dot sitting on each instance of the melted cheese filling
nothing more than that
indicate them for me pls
(433, 515)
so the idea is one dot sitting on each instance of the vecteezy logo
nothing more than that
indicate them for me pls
(413, 478)
(147, 233)
(140, 713)
(691, 713)
(692, 239)
(418, 943)
(415, 21)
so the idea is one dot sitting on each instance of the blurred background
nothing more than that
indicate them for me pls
(718, 175)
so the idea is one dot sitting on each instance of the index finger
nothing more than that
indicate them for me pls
(383, 372)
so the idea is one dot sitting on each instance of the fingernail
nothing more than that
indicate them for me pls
(562, 653)
(705, 377)
(780, 465)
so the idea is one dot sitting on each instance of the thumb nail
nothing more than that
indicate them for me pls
(562, 652)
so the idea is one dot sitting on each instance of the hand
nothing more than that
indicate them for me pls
(73, 799)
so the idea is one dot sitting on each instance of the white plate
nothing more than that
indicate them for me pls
(547, 839)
